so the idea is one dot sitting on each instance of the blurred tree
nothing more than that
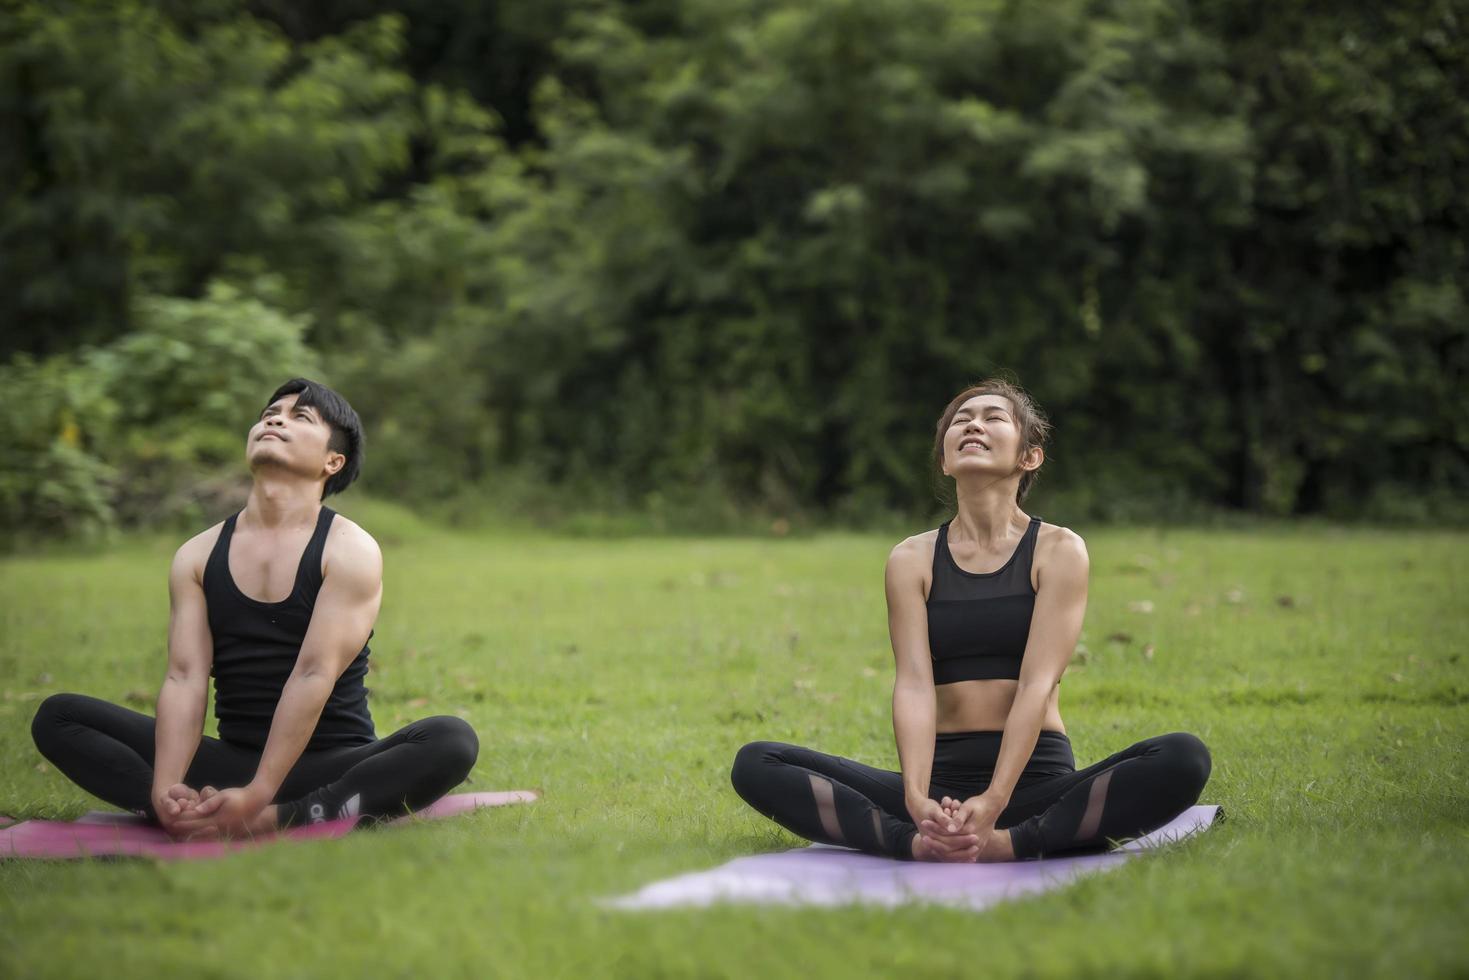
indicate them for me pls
(148, 428)
(135, 157)
(1339, 320)
(696, 257)
(810, 224)
(496, 52)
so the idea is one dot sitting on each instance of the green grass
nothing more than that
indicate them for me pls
(1325, 668)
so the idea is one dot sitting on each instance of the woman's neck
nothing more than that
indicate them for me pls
(987, 515)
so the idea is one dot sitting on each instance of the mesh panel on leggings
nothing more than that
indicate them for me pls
(826, 808)
(1096, 802)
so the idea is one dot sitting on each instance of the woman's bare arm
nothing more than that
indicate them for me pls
(1055, 627)
(914, 710)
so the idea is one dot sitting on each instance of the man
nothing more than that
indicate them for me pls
(277, 602)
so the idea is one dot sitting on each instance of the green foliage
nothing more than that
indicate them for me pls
(1340, 315)
(50, 484)
(726, 258)
(186, 385)
(846, 248)
(148, 427)
(142, 154)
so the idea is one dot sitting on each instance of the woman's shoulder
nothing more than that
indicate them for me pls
(1055, 543)
(914, 553)
(920, 544)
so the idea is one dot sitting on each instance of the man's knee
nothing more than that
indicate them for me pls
(54, 713)
(456, 746)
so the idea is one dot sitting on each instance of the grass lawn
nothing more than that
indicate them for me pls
(1326, 669)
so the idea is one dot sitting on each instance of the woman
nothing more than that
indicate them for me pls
(984, 614)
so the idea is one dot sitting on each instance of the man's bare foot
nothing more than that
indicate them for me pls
(997, 847)
(925, 849)
(268, 822)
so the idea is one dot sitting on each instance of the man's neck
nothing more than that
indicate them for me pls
(277, 502)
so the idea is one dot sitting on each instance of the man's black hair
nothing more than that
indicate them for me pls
(346, 427)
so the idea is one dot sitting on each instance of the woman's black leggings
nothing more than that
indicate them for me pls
(107, 750)
(1055, 807)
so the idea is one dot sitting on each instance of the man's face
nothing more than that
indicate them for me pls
(292, 437)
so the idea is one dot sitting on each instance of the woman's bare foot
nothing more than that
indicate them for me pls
(926, 849)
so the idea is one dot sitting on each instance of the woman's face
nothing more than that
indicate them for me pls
(982, 438)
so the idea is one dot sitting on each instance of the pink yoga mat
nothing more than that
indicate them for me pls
(127, 835)
(820, 875)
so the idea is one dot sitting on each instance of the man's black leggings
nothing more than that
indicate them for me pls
(1055, 807)
(107, 750)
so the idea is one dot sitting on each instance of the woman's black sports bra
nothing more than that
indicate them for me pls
(978, 622)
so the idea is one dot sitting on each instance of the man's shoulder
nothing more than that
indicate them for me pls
(194, 553)
(351, 550)
(347, 533)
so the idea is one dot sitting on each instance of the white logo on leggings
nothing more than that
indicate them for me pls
(318, 813)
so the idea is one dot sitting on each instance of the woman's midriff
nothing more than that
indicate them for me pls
(983, 706)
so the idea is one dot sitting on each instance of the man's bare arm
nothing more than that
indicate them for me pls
(185, 688)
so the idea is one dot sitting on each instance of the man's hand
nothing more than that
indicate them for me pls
(175, 807)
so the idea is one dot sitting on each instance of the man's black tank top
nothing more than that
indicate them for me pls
(978, 622)
(255, 648)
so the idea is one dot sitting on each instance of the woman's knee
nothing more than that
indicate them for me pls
(1187, 759)
(748, 764)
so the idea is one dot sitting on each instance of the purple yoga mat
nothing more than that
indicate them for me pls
(127, 835)
(821, 875)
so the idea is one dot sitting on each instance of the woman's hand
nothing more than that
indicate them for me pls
(976, 815)
(940, 837)
(928, 811)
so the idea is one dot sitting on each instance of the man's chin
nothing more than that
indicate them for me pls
(267, 453)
